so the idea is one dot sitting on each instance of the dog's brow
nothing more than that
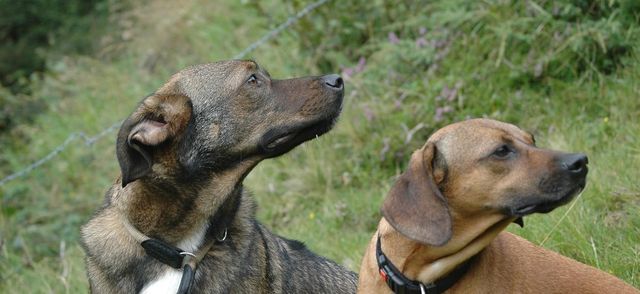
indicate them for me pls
(258, 68)
(507, 139)
(252, 65)
(261, 70)
(265, 72)
(533, 138)
(526, 139)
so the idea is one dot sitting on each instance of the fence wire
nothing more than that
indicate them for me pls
(88, 141)
(283, 26)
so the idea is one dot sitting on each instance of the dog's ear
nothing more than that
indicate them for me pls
(159, 119)
(415, 206)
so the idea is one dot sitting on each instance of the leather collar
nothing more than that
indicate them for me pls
(400, 284)
(188, 261)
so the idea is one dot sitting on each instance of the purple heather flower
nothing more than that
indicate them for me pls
(362, 62)
(421, 42)
(452, 95)
(438, 116)
(393, 38)
(440, 43)
(368, 113)
(440, 111)
(445, 92)
(347, 72)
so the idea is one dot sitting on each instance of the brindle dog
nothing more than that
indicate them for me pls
(183, 154)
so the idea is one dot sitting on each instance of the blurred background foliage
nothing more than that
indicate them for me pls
(565, 70)
(31, 29)
(34, 32)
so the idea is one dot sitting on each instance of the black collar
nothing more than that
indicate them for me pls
(402, 285)
(187, 261)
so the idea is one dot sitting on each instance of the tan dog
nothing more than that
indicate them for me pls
(443, 218)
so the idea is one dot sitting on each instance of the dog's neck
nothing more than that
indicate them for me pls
(172, 211)
(426, 263)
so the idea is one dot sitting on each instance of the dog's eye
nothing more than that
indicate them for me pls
(253, 80)
(503, 152)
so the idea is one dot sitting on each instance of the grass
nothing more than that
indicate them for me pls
(571, 95)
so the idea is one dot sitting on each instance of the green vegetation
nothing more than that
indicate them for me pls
(566, 70)
(34, 32)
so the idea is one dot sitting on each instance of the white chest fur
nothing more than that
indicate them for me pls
(169, 281)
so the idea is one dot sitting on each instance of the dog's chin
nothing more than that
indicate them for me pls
(279, 141)
(542, 205)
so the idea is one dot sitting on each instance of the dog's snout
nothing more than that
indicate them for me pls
(334, 81)
(575, 163)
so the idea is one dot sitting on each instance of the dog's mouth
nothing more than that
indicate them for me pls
(278, 141)
(543, 206)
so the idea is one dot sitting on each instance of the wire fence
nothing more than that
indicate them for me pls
(88, 141)
(271, 34)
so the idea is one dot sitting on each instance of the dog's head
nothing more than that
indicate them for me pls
(208, 118)
(476, 169)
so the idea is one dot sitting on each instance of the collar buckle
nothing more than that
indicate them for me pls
(224, 236)
(425, 289)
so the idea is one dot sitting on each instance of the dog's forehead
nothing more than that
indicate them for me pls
(205, 83)
(472, 135)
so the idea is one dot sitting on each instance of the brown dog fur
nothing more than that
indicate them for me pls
(469, 181)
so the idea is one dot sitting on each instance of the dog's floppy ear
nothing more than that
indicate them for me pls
(415, 206)
(157, 120)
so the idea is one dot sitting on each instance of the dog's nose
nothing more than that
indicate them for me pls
(575, 162)
(334, 81)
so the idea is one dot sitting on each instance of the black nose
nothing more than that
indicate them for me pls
(333, 81)
(575, 162)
